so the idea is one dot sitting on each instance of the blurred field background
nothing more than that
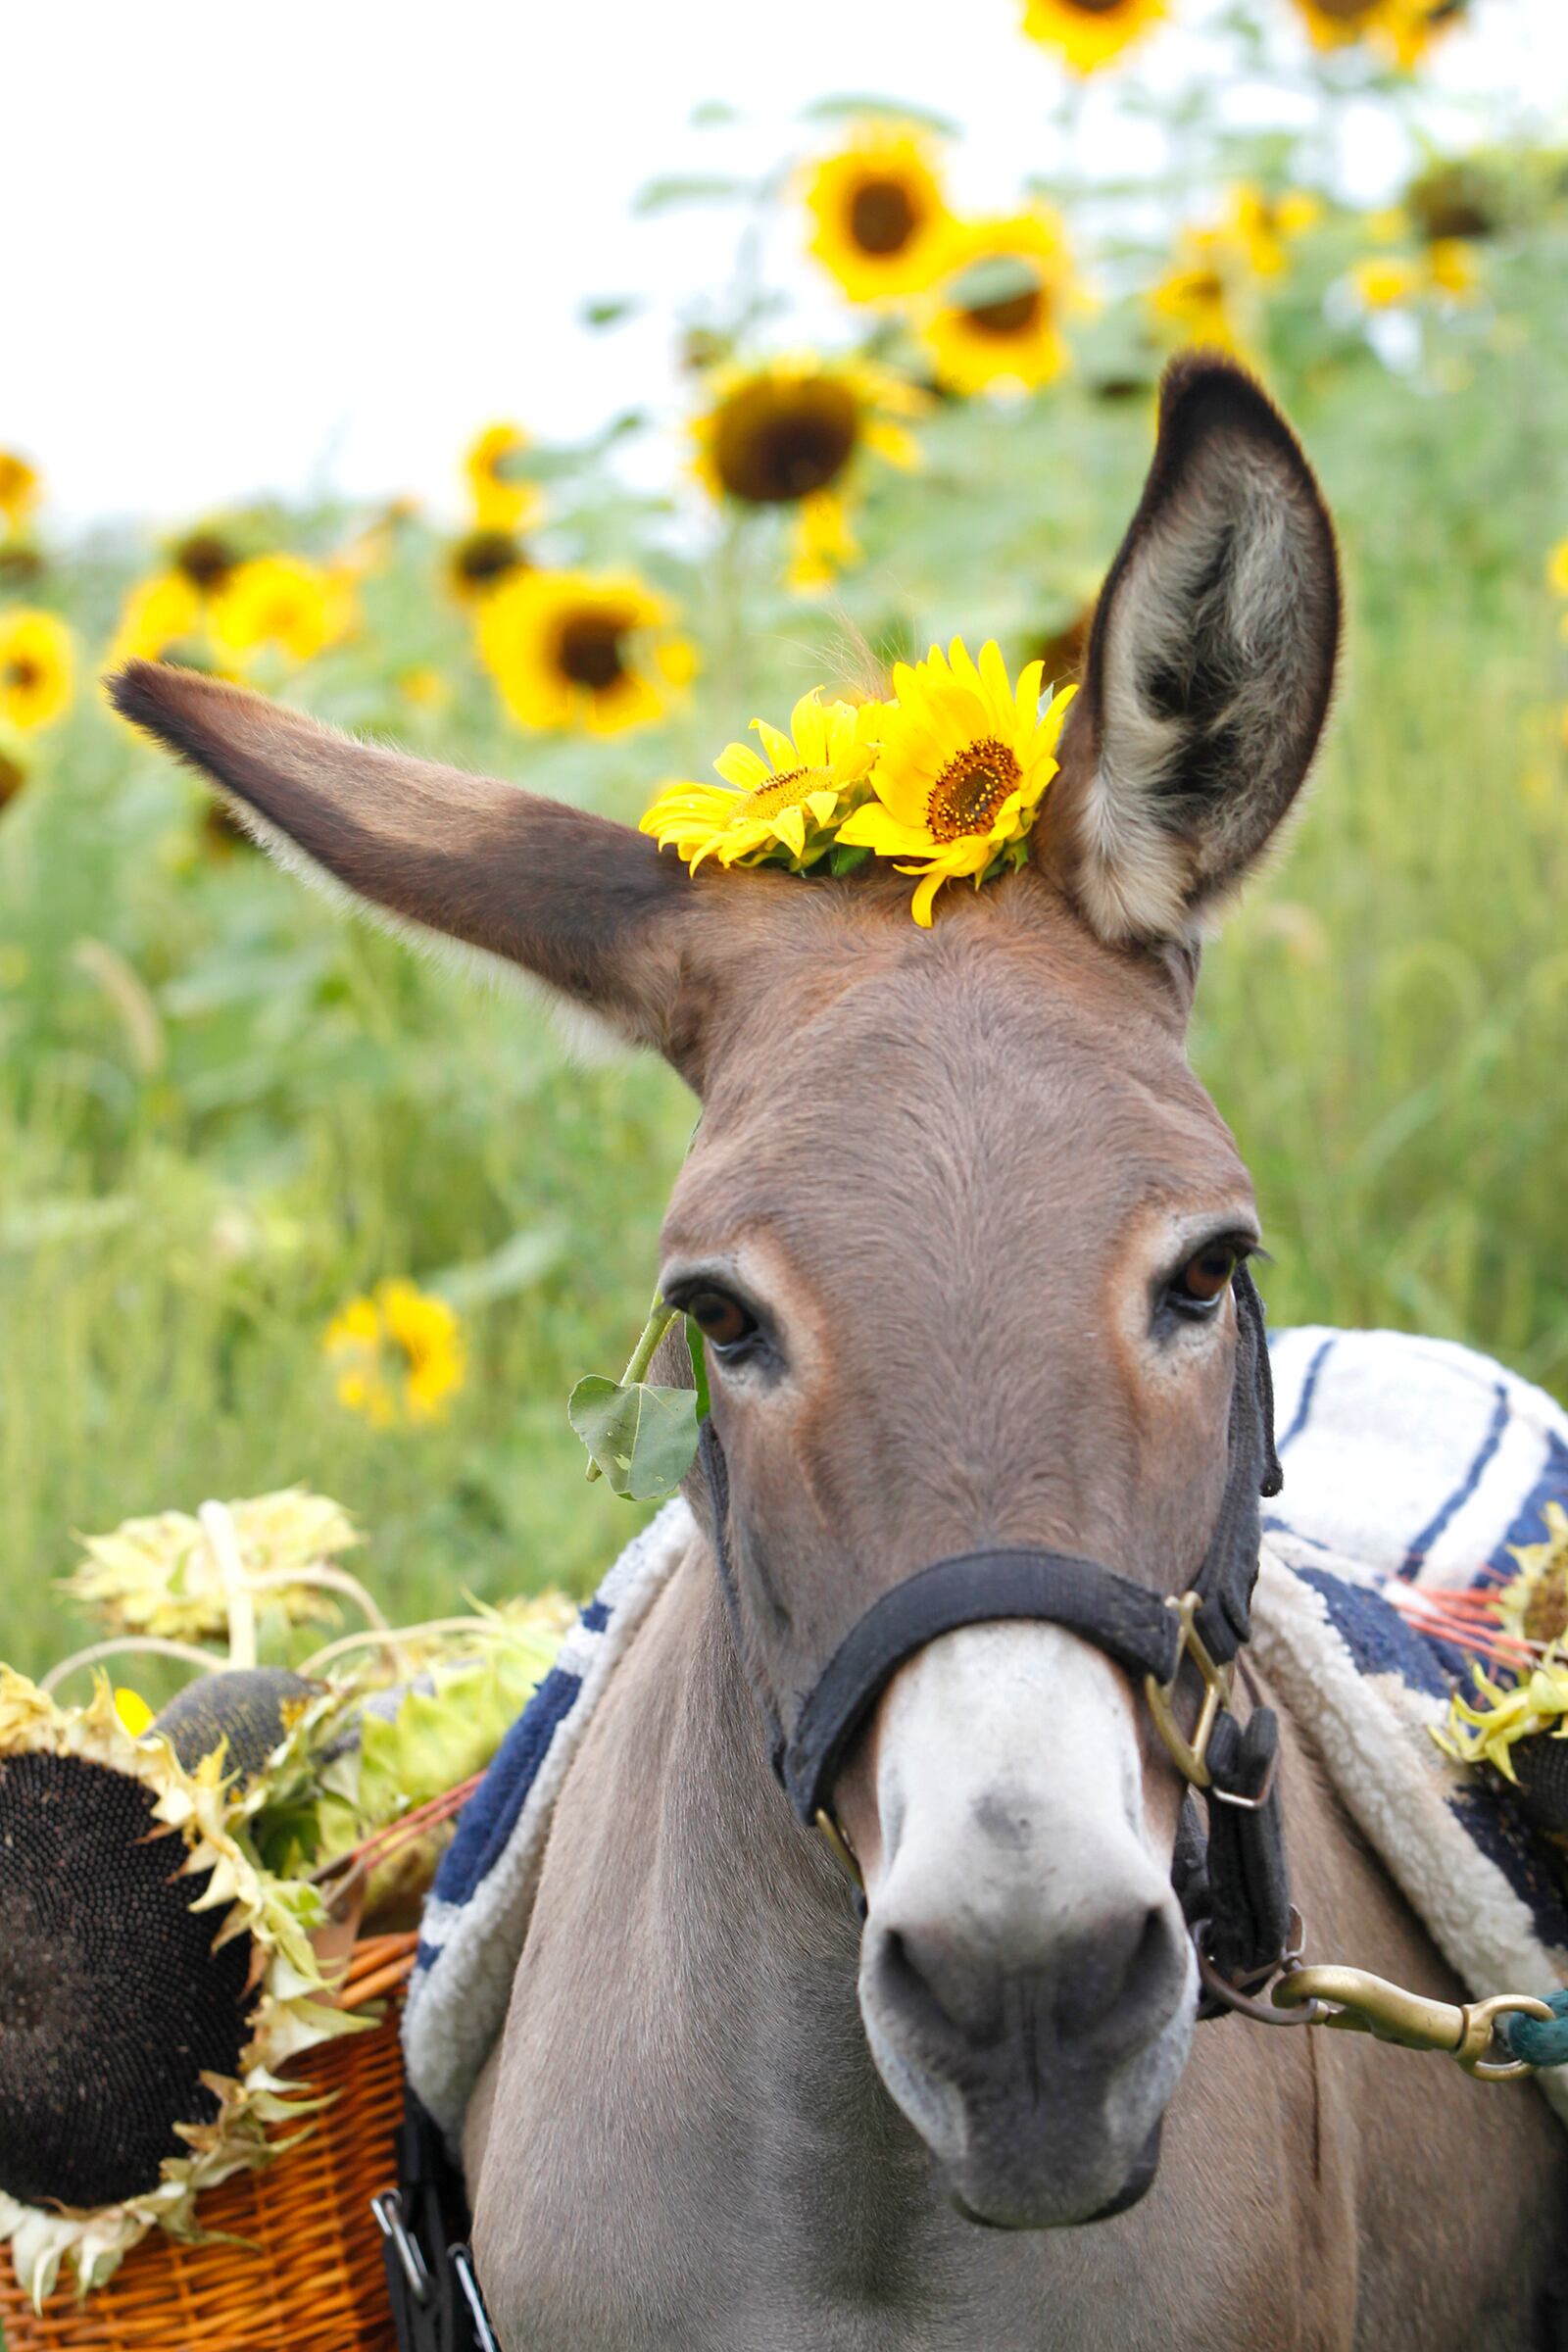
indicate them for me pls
(228, 1113)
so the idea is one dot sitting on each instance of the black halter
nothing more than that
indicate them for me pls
(1236, 1895)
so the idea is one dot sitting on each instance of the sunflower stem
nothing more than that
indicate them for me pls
(217, 1526)
(155, 1645)
(659, 1318)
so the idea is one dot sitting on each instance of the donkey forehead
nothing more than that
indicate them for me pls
(990, 1088)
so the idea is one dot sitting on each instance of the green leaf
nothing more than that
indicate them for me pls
(642, 1438)
(845, 860)
(608, 309)
(693, 187)
(1000, 277)
(695, 1349)
(857, 103)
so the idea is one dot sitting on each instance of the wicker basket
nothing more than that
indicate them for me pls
(309, 2277)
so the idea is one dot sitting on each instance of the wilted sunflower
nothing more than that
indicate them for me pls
(1534, 1605)
(154, 1982)
(162, 1575)
(785, 801)
(398, 1354)
(282, 601)
(480, 561)
(964, 758)
(35, 669)
(504, 500)
(882, 221)
(576, 650)
(1090, 32)
(789, 432)
(20, 488)
(998, 317)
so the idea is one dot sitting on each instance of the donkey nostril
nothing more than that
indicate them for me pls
(1134, 1972)
(917, 1976)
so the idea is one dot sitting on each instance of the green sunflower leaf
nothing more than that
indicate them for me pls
(642, 1438)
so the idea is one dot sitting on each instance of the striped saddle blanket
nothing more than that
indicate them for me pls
(1407, 1461)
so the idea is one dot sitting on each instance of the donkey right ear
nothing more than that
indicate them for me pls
(1209, 670)
(587, 907)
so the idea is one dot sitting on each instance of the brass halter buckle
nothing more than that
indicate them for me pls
(1357, 2002)
(1191, 1755)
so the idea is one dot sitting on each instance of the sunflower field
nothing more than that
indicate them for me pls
(282, 1203)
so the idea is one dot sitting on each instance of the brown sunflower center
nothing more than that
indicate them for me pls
(1011, 315)
(775, 443)
(485, 556)
(779, 792)
(1348, 12)
(970, 790)
(12, 779)
(882, 215)
(22, 673)
(1546, 1612)
(206, 560)
(1097, 8)
(588, 651)
(1204, 285)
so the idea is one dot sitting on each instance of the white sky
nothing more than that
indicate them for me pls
(259, 248)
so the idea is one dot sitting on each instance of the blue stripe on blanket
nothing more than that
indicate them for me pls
(1463, 1493)
(1528, 1524)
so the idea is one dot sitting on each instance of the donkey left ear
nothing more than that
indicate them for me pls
(1211, 665)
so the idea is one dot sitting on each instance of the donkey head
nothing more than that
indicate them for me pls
(958, 1227)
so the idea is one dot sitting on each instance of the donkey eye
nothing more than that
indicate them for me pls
(1204, 1278)
(721, 1319)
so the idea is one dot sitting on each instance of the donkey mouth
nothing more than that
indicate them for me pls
(1133, 2189)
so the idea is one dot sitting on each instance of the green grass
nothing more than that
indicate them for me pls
(236, 1108)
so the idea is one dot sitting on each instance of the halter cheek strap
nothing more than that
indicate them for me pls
(1242, 1882)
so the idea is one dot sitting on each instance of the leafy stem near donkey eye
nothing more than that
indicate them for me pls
(640, 1437)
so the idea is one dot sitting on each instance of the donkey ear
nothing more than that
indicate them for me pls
(1211, 665)
(587, 907)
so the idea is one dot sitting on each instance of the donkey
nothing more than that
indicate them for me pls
(960, 1228)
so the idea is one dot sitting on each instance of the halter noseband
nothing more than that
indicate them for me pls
(1236, 1895)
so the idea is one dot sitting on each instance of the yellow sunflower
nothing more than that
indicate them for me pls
(1534, 1605)
(1557, 568)
(790, 433)
(478, 563)
(35, 669)
(504, 500)
(576, 650)
(398, 1354)
(157, 614)
(1090, 32)
(1387, 281)
(882, 221)
(1266, 226)
(1203, 298)
(281, 601)
(964, 758)
(19, 488)
(997, 319)
(786, 801)
(1402, 29)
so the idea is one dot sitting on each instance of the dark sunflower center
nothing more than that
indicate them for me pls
(777, 442)
(12, 779)
(1013, 315)
(485, 556)
(971, 789)
(589, 651)
(779, 792)
(1348, 12)
(22, 673)
(1097, 8)
(882, 218)
(1205, 286)
(113, 1999)
(205, 561)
